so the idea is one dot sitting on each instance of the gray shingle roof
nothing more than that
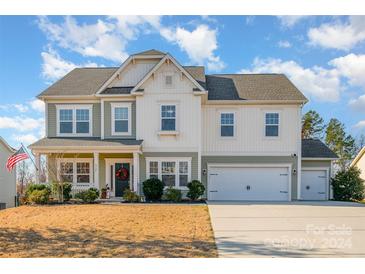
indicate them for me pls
(84, 142)
(252, 87)
(314, 148)
(198, 73)
(80, 81)
(117, 90)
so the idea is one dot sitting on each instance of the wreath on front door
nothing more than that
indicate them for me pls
(122, 174)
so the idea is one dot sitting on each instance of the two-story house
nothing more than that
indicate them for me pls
(152, 117)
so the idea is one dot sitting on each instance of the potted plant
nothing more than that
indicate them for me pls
(103, 192)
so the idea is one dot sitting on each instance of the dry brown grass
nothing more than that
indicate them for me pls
(106, 231)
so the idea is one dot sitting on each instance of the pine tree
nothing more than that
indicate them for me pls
(312, 125)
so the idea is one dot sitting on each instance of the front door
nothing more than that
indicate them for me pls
(121, 178)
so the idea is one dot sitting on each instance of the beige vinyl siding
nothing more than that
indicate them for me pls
(250, 130)
(7, 180)
(52, 118)
(252, 160)
(108, 120)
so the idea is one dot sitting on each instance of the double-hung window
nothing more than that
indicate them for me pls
(227, 124)
(272, 124)
(76, 171)
(74, 120)
(172, 172)
(168, 117)
(121, 118)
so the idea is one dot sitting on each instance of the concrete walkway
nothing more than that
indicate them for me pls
(296, 229)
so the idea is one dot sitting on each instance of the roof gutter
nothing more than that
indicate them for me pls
(255, 102)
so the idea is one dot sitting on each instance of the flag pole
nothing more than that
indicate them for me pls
(30, 157)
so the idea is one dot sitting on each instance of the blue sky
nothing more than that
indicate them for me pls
(324, 56)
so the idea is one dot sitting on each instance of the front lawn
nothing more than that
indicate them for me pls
(107, 231)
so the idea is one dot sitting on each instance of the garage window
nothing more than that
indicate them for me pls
(227, 124)
(272, 124)
(172, 172)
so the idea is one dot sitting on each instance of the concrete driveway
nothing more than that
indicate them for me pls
(295, 229)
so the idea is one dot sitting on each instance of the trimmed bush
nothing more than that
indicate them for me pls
(88, 196)
(31, 187)
(153, 189)
(131, 197)
(39, 196)
(57, 189)
(196, 189)
(347, 185)
(172, 194)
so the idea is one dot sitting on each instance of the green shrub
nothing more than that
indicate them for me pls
(39, 196)
(172, 194)
(153, 189)
(130, 196)
(347, 185)
(62, 187)
(88, 196)
(196, 189)
(31, 187)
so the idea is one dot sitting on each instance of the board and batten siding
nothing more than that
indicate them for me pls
(7, 179)
(108, 120)
(250, 130)
(188, 112)
(134, 72)
(264, 160)
(52, 118)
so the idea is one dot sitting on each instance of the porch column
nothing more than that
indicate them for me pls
(37, 158)
(135, 172)
(96, 170)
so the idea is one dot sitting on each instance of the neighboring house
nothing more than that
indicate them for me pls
(240, 134)
(7, 179)
(359, 162)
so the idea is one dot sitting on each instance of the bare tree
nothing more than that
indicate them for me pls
(24, 176)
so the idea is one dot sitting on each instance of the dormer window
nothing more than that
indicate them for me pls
(168, 80)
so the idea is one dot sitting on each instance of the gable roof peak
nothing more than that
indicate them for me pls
(150, 52)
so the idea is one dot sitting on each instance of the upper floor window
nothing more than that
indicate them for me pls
(74, 120)
(168, 117)
(272, 124)
(121, 118)
(227, 124)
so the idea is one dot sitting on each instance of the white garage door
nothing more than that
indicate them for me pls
(314, 185)
(248, 183)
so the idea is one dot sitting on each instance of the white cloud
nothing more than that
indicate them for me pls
(21, 123)
(26, 139)
(19, 107)
(317, 82)
(106, 38)
(284, 44)
(199, 44)
(289, 21)
(54, 67)
(37, 105)
(358, 104)
(351, 66)
(360, 124)
(339, 35)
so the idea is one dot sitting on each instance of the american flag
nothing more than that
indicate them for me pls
(18, 156)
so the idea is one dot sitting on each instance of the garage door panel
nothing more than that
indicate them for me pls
(249, 183)
(314, 185)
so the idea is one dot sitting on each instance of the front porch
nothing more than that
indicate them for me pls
(113, 167)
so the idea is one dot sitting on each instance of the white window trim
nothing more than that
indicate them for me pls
(177, 170)
(74, 108)
(279, 122)
(74, 161)
(220, 124)
(121, 105)
(169, 132)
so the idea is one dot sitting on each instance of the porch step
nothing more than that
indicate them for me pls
(111, 200)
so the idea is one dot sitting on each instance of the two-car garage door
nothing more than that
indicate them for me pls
(249, 183)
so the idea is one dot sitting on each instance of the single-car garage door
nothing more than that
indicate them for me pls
(314, 185)
(248, 183)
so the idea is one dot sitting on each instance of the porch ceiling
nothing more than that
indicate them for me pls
(86, 144)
